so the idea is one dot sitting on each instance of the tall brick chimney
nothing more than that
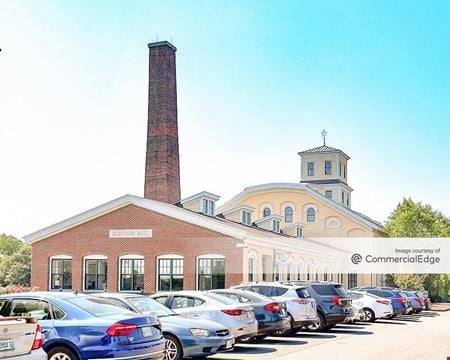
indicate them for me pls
(162, 168)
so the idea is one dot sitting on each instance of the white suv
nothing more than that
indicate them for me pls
(301, 307)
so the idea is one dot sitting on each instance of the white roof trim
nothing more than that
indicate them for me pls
(268, 218)
(294, 186)
(242, 207)
(204, 194)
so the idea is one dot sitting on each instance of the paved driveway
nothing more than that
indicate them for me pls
(425, 336)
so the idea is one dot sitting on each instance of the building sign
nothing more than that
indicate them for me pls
(130, 233)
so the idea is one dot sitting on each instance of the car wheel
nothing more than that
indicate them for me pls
(286, 332)
(319, 325)
(174, 351)
(61, 353)
(369, 315)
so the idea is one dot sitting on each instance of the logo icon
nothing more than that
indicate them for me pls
(356, 259)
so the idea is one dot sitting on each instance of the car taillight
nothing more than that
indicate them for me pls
(272, 307)
(300, 300)
(385, 302)
(119, 329)
(427, 301)
(38, 339)
(401, 300)
(234, 312)
(337, 300)
(418, 299)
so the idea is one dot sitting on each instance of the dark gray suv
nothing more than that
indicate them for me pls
(334, 305)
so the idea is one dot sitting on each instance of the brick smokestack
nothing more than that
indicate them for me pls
(162, 168)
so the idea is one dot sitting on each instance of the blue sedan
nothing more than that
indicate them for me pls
(186, 337)
(81, 327)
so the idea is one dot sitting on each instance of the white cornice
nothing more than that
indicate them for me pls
(203, 194)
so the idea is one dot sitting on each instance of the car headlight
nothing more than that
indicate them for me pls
(201, 332)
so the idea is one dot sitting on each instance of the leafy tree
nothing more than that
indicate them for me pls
(411, 219)
(15, 261)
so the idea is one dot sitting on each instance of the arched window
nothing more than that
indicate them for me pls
(288, 212)
(310, 215)
(170, 272)
(95, 272)
(61, 272)
(266, 212)
(131, 272)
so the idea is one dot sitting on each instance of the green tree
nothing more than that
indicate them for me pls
(411, 219)
(15, 261)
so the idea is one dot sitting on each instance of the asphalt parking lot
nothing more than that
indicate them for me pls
(424, 336)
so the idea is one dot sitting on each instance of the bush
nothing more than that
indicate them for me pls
(16, 289)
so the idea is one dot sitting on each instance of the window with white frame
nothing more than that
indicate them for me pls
(288, 214)
(267, 212)
(210, 273)
(246, 217)
(329, 194)
(61, 272)
(310, 169)
(131, 273)
(327, 167)
(342, 197)
(208, 207)
(298, 231)
(276, 225)
(170, 273)
(310, 215)
(95, 272)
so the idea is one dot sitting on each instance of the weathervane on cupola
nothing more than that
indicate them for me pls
(324, 135)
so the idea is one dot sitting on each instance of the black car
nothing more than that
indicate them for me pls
(334, 305)
(271, 315)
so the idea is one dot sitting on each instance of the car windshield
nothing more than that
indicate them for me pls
(97, 306)
(149, 306)
(220, 298)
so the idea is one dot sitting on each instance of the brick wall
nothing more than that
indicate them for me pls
(169, 236)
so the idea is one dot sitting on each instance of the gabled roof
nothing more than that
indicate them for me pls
(218, 224)
(354, 215)
(322, 150)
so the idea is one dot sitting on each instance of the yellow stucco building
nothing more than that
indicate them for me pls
(318, 206)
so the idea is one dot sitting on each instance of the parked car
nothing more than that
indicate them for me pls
(398, 300)
(300, 306)
(358, 314)
(21, 338)
(237, 317)
(77, 326)
(374, 307)
(271, 315)
(186, 337)
(417, 303)
(334, 306)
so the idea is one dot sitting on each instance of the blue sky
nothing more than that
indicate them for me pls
(257, 82)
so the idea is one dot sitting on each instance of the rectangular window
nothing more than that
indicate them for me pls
(131, 274)
(208, 207)
(329, 194)
(298, 232)
(352, 280)
(345, 171)
(275, 226)
(170, 274)
(211, 274)
(251, 269)
(327, 167)
(95, 274)
(61, 277)
(342, 197)
(310, 169)
(246, 217)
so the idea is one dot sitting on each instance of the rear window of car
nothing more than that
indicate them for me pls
(97, 306)
(324, 290)
(386, 294)
(340, 290)
(221, 298)
(302, 293)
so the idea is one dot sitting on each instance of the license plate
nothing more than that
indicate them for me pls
(148, 331)
(229, 344)
(7, 345)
